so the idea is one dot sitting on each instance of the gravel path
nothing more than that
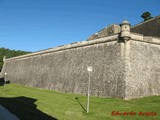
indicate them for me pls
(6, 115)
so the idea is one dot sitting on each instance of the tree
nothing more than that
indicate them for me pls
(146, 16)
(9, 53)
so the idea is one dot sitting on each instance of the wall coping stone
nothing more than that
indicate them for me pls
(134, 37)
(147, 39)
(68, 46)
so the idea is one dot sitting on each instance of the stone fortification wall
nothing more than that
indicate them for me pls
(125, 65)
(65, 68)
(142, 67)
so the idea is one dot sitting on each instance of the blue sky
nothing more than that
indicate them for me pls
(34, 25)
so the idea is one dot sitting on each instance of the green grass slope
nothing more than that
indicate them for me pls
(38, 104)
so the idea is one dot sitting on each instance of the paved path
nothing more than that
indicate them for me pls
(6, 115)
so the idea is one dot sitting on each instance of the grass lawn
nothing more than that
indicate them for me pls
(38, 104)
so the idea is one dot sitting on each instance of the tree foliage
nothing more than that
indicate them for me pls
(146, 16)
(9, 53)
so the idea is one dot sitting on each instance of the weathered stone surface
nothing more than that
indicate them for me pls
(143, 71)
(67, 70)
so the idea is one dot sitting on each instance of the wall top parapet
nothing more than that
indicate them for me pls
(133, 36)
(68, 46)
(147, 39)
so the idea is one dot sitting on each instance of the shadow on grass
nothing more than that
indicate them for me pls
(80, 104)
(24, 108)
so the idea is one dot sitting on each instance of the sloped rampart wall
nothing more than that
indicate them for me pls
(66, 69)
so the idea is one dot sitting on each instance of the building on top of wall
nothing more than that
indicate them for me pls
(148, 28)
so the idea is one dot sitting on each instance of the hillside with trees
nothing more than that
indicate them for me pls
(9, 53)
